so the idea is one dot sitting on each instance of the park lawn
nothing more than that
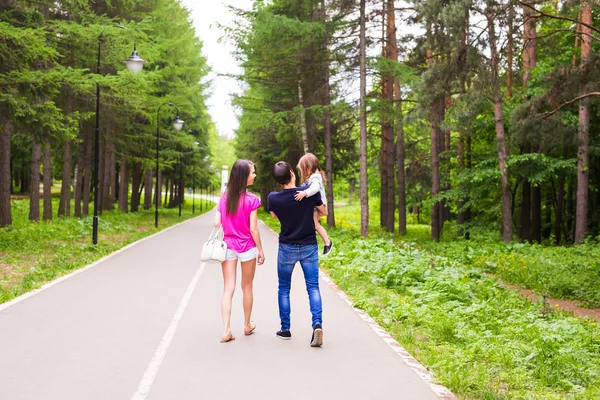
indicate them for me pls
(478, 338)
(32, 254)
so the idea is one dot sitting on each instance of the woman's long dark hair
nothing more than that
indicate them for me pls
(238, 181)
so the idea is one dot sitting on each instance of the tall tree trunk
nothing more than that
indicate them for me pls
(558, 211)
(65, 190)
(135, 186)
(447, 145)
(124, 184)
(108, 177)
(436, 133)
(536, 213)
(88, 173)
(463, 71)
(400, 160)
(303, 129)
(78, 186)
(364, 188)
(507, 225)
(469, 166)
(583, 130)
(64, 205)
(25, 177)
(327, 120)
(525, 215)
(5, 175)
(328, 150)
(531, 197)
(387, 199)
(34, 197)
(160, 185)
(547, 231)
(510, 51)
(385, 126)
(47, 184)
(148, 185)
(172, 187)
(570, 213)
(460, 220)
(392, 54)
(102, 173)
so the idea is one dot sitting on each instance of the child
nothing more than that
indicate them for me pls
(312, 175)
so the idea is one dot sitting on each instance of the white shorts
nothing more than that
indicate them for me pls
(243, 257)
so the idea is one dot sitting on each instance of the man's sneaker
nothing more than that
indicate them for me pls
(327, 248)
(285, 335)
(317, 336)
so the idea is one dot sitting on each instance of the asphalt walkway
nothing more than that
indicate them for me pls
(145, 323)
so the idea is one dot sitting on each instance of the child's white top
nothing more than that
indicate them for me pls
(315, 182)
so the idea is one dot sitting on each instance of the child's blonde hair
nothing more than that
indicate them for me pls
(308, 165)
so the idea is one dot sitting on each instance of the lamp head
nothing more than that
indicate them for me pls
(178, 124)
(134, 63)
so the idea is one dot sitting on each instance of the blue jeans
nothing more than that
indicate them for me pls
(308, 256)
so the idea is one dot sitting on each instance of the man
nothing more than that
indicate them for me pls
(297, 243)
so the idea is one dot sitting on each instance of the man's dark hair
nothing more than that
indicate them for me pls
(281, 172)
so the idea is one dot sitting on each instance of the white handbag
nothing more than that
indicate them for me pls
(215, 249)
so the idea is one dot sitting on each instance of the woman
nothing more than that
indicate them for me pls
(237, 213)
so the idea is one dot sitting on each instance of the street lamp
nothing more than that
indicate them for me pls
(135, 65)
(178, 125)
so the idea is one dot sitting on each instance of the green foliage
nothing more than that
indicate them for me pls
(479, 339)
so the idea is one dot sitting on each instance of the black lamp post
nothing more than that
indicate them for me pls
(181, 188)
(178, 125)
(134, 64)
(194, 193)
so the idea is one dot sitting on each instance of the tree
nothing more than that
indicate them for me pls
(507, 226)
(583, 130)
(364, 183)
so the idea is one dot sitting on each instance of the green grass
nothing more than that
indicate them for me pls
(557, 272)
(479, 339)
(33, 253)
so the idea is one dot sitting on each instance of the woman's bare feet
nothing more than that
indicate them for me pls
(227, 337)
(249, 329)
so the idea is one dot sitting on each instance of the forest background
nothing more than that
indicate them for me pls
(459, 139)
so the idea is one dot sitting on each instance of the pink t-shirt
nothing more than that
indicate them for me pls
(237, 227)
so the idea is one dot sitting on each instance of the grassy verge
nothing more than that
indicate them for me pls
(557, 272)
(479, 339)
(32, 254)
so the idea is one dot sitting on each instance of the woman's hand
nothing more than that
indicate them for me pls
(300, 195)
(217, 220)
(261, 257)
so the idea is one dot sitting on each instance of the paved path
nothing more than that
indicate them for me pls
(145, 324)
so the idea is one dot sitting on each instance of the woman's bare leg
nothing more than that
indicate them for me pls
(229, 277)
(320, 230)
(248, 271)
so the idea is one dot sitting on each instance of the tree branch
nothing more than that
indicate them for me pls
(580, 33)
(543, 14)
(575, 100)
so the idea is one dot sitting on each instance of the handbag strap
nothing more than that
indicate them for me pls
(217, 233)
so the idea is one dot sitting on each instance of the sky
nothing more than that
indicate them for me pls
(206, 15)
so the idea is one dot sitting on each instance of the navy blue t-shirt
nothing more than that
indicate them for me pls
(295, 217)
